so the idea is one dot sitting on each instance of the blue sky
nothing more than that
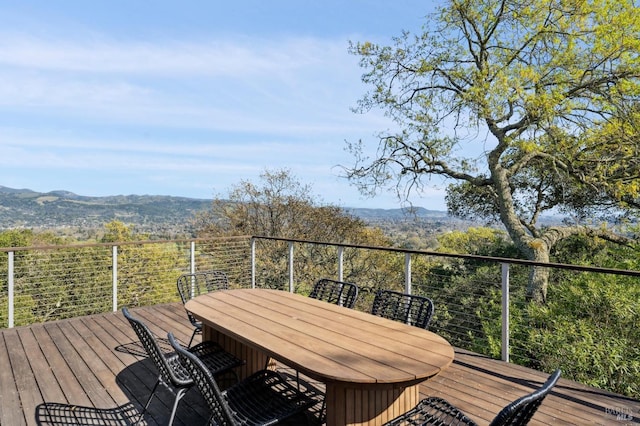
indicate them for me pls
(189, 98)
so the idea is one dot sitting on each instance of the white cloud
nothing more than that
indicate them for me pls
(238, 58)
(293, 86)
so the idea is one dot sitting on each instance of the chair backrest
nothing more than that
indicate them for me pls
(151, 346)
(520, 411)
(408, 308)
(338, 292)
(192, 285)
(206, 384)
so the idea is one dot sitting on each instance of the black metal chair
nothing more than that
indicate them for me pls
(408, 308)
(195, 284)
(171, 373)
(263, 398)
(437, 411)
(337, 292)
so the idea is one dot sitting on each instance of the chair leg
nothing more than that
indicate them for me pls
(195, 331)
(179, 396)
(323, 412)
(146, 406)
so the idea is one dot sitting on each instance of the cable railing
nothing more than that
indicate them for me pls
(47, 283)
(480, 301)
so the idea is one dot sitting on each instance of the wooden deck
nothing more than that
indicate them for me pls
(91, 370)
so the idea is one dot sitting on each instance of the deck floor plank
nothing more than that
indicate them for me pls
(47, 381)
(95, 363)
(64, 375)
(120, 360)
(62, 335)
(93, 355)
(25, 380)
(10, 407)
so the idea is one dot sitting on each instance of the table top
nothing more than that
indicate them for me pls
(324, 341)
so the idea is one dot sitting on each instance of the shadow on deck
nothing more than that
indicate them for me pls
(91, 370)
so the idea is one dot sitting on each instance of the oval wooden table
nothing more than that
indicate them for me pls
(372, 367)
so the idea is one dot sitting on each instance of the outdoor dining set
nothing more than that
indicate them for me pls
(370, 364)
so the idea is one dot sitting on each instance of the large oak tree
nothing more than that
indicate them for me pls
(525, 106)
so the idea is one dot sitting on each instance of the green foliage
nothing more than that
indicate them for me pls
(35, 280)
(479, 241)
(589, 326)
(466, 292)
(16, 238)
(51, 284)
(145, 272)
(591, 323)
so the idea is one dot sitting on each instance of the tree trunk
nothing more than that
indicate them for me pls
(536, 249)
(538, 277)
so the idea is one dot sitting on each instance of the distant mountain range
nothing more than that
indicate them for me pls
(24, 208)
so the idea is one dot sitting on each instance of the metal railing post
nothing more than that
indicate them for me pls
(114, 260)
(407, 273)
(505, 312)
(192, 257)
(340, 263)
(10, 282)
(291, 287)
(253, 263)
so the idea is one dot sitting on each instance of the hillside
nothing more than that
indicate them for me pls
(165, 215)
(160, 216)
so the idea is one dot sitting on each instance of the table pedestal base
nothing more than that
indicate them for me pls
(347, 405)
(255, 360)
